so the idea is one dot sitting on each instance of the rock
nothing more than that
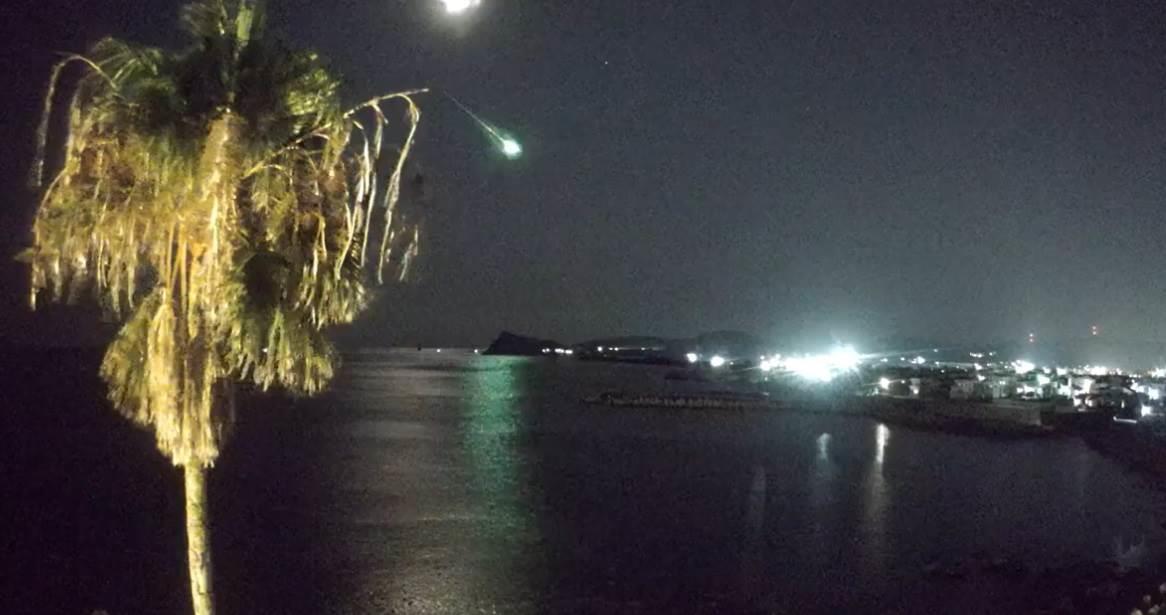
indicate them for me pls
(512, 344)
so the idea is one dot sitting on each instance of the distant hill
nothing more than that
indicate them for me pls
(636, 348)
(652, 349)
(729, 343)
(508, 343)
(1100, 350)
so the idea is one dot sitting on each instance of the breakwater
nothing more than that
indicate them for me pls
(956, 416)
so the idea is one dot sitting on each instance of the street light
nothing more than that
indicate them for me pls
(457, 7)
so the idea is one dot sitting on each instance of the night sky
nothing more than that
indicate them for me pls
(807, 171)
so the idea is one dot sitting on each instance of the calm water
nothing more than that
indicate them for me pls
(451, 483)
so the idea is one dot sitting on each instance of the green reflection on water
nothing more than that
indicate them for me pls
(492, 424)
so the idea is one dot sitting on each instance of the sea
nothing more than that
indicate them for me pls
(452, 483)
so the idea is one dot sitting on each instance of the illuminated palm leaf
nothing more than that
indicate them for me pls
(221, 199)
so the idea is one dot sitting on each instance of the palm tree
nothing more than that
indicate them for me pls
(220, 201)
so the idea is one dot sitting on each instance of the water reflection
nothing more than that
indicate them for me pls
(822, 507)
(491, 423)
(492, 427)
(753, 549)
(882, 436)
(876, 499)
(824, 447)
(431, 479)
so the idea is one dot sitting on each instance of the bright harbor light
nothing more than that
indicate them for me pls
(812, 368)
(692, 357)
(457, 7)
(824, 367)
(717, 361)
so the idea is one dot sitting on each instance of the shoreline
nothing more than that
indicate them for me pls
(1140, 448)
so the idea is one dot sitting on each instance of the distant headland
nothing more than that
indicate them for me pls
(633, 348)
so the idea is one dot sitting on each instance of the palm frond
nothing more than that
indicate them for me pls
(219, 198)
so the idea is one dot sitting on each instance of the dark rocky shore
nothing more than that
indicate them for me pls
(1141, 447)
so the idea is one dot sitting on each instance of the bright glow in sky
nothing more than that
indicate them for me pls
(455, 7)
(511, 148)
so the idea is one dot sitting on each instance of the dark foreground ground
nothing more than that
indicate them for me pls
(92, 513)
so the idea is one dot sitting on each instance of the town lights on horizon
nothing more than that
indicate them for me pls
(717, 361)
(692, 357)
(1098, 370)
(457, 7)
(769, 364)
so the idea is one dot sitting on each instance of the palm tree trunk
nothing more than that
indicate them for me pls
(198, 548)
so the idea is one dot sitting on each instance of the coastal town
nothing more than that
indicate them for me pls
(985, 394)
(987, 386)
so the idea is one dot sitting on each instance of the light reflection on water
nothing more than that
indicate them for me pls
(491, 425)
(465, 484)
(883, 435)
(875, 507)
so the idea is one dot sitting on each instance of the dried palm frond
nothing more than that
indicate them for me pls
(220, 199)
